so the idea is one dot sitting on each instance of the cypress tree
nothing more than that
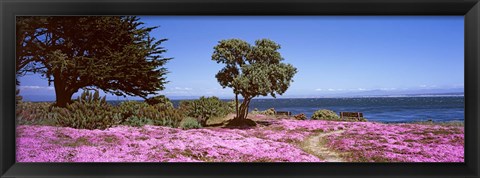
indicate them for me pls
(115, 54)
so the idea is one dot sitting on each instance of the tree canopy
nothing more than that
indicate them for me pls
(112, 53)
(252, 71)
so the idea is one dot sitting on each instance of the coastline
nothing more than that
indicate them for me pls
(385, 110)
(27, 98)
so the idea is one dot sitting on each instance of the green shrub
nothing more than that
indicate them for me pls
(232, 105)
(159, 114)
(186, 106)
(170, 117)
(138, 121)
(190, 123)
(205, 108)
(269, 112)
(29, 113)
(325, 114)
(89, 111)
(159, 100)
(330, 115)
(130, 109)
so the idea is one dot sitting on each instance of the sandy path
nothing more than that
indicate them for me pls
(314, 145)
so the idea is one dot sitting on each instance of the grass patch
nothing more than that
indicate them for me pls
(82, 141)
(110, 139)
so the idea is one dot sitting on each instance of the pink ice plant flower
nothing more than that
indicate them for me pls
(150, 144)
(278, 142)
(375, 142)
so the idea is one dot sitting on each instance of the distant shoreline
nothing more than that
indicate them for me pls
(281, 98)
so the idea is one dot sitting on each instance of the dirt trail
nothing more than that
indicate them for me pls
(314, 145)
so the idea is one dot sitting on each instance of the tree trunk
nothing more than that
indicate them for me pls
(236, 105)
(244, 108)
(62, 96)
(242, 113)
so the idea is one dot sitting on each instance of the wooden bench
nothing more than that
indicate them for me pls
(351, 114)
(284, 113)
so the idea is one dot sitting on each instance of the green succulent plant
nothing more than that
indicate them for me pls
(88, 111)
(206, 108)
(325, 114)
(190, 123)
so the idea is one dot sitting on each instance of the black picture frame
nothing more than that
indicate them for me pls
(10, 8)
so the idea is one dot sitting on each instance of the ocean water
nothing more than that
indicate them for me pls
(381, 109)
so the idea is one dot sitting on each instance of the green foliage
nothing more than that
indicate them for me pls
(186, 106)
(138, 121)
(252, 71)
(325, 114)
(268, 112)
(190, 123)
(158, 114)
(232, 105)
(112, 53)
(89, 111)
(130, 109)
(159, 100)
(29, 113)
(330, 115)
(300, 116)
(169, 117)
(205, 108)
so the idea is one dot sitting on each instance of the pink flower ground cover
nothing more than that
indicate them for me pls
(278, 142)
(151, 144)
(375, 142)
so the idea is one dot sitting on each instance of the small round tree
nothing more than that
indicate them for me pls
(252, 71)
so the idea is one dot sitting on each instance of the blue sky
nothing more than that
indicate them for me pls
(333, 54)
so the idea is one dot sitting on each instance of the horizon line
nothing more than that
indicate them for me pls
(269, 98)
